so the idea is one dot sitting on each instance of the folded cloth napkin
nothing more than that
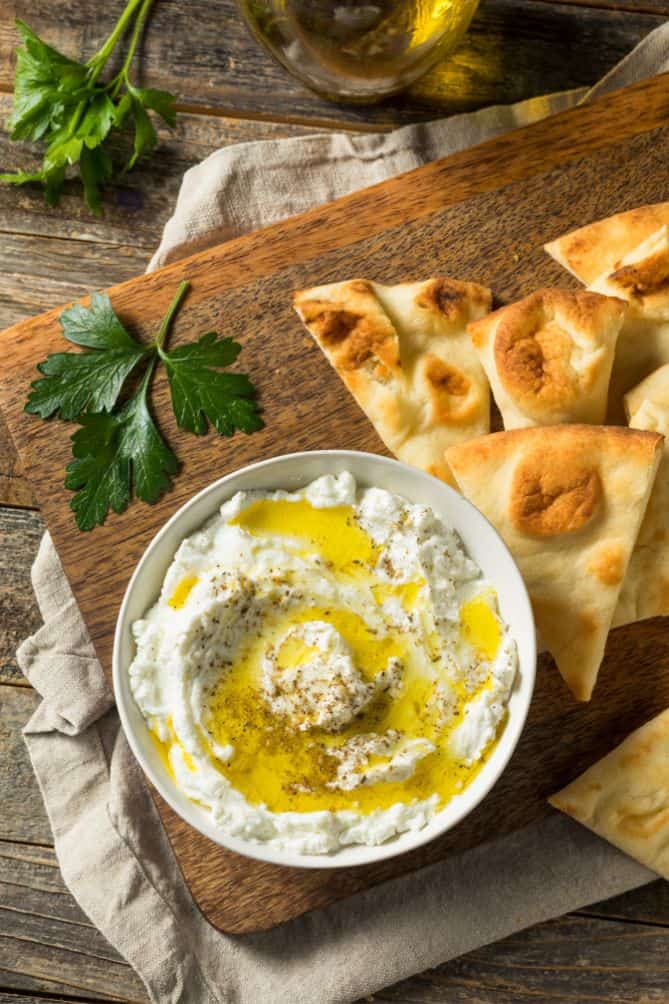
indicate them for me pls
(112, 850)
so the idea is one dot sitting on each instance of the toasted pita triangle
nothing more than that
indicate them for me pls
(596, 249)
(549, 356)
(404, 353)
(638, 272)
(645, 591)
(568, 500)
(624, 797)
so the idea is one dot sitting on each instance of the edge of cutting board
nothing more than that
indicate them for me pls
(364, 216)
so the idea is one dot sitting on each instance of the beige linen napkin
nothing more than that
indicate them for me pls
(111, 847)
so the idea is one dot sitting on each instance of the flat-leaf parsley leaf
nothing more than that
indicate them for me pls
(63, 103)
(73, 382)
(200, 391)
(111, 452)
(118, 446)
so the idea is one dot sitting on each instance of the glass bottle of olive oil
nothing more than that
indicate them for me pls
(358, 51)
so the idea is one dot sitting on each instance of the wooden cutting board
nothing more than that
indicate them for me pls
(484, 215)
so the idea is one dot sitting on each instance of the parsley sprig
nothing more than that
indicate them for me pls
(118, 446)
(64, 104)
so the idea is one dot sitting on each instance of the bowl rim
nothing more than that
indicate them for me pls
(409, 840)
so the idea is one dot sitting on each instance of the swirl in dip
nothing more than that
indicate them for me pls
(323, 667)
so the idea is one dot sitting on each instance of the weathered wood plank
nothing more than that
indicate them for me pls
(565, 961)
(12, 998)
(40, 272)
(39, 967)
(14, 487)
(519, 50)
(27, 915)
(633, 6)
(514, 49)
(20, 533)
(36, 908)
(47, 944)
(23, 817)
(648, 905)
(135, 210)
(31, 883)
(31, 865)
(562, 960)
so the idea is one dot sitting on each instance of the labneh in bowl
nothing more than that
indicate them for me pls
(290, 473)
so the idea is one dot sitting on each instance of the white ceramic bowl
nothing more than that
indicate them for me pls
(292, 472)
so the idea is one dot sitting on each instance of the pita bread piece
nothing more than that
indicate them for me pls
(404, 353)
(549, 357)
(624, 797)
(641, 277)
(596, 249)
(645, 591)
(568, 500)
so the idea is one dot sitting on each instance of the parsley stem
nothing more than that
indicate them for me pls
(97, 62)
(134, 39)
(75, 118)
(167, 320)
(146, 379)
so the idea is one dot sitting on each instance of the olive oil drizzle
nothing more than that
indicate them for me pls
(289, 770)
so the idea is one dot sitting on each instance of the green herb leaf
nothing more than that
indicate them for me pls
(200, 391)
(98, 120)
(99, 474)
(161, 102)
(62, 103)
(152, 460)
(96, 170)
(53, 179)
(145, 135)
(44, 77)
(96, 326)
(74, 382)
(119, 449)
(39, 51)
(122, 109)
(114, 452)
(63, 151)
(22, 177)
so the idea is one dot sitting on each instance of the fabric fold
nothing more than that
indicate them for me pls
(59, 659)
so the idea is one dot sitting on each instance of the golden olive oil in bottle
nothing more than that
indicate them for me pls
(358, 51)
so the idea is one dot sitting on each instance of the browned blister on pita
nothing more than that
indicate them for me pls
(404, 353)
(569, 501)
(645, 591)
(627, 256)
(624, 797)
(597, 248)
(549, 356)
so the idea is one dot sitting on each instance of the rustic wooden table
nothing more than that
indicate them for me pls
(229, 91)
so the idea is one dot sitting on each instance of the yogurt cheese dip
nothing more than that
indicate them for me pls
(324, 667)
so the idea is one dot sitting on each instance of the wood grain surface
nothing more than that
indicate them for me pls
(578, 166)
(514, 49)
(20, 533)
